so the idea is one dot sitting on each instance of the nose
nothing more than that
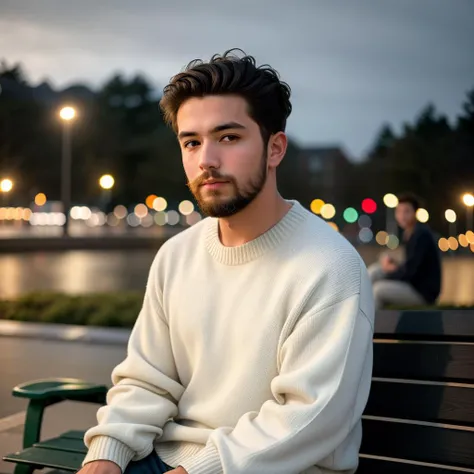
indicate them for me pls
(208, 156)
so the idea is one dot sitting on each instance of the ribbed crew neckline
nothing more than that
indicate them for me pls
(254, 249)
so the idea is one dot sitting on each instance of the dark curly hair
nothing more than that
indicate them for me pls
(268, 98)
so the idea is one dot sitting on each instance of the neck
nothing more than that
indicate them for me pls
(266, 210)
(409, 230)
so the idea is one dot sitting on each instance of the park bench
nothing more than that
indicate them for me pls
(419, 418)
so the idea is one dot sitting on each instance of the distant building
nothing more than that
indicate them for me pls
(326, 169)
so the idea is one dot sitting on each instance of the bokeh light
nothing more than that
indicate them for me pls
(468, 199)
(120, 212)
(193, 218)
(470, 236)
(365, 221)
(106, 181)
(40, 199)
(453, 243)
(150, 200)
(328, 211)
(422, 215)
(350, 215)
(67, 113)
(141, 210)
(369, 206)
(463, 242)
(334, 226)
(393, 242)
(173, 217)
(450, 216)
(186, 207)
(316, 206)
(381, 237)
(366, 235)
(160, 204)
(160, 218)
(6, 185)
(390, 200)
(443, 244)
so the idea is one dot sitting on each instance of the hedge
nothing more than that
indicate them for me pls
(100, 309)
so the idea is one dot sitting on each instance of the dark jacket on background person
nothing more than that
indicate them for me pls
(422, 267)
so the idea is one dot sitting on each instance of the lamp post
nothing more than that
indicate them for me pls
(67, 114)
(451, 217)
(468, 200)
(6, 185)
(106, 182)
(391, 202)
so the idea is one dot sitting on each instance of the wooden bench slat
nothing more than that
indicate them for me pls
(422, 402)
(430, 444)
(424, 361)
(41, 457)
(379, 466)
(63, 444)
(447, 324)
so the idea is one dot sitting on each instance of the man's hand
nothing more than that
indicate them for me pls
(100, 467)
(387, 264)
(178, 470)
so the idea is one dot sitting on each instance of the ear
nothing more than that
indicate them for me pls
(276, 149)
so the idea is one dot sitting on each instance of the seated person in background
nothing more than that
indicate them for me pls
(417, 281)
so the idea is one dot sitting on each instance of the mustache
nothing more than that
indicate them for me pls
(206, 175)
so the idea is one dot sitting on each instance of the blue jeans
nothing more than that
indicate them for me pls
(152, 464)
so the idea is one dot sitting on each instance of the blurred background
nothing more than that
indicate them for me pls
(91, 181)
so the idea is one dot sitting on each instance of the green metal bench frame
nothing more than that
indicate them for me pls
(42, 394)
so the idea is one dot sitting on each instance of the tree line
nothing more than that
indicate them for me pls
(120, 130)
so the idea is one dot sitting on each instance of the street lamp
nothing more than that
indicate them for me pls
(451, 217)
(67, 115)
(391, 202)
(468, 200)
(106, 182)
(6, 185)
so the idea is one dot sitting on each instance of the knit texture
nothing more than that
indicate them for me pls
(248, 359)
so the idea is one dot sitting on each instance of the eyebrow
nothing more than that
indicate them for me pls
(217, 129)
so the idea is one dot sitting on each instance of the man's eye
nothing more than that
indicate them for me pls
(229, 138)
(191, 144)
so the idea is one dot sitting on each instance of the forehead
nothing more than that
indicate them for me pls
(201, 114)
(405, 206)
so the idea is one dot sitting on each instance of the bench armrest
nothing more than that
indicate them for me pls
(62, 388)
(45, 392)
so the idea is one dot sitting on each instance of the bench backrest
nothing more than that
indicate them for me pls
(420, 412)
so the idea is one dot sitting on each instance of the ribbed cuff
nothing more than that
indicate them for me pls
(105, 448)
(207, 461)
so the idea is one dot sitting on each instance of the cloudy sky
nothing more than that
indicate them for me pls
(352, 64)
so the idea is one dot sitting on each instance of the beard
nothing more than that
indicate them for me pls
(217, 204)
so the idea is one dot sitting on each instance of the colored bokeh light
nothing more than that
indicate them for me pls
(369, 206)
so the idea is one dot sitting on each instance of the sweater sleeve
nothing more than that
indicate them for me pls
(145, 389)
(319, 397)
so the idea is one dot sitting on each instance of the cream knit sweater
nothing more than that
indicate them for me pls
(254, 359)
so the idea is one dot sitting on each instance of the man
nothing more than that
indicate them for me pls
(253, 350)
(417, 281)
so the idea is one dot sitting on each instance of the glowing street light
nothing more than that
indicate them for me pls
(468, 200)
(106, 181)
(451, 217)
(391, 202)
(6, 185)
(67, 115)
